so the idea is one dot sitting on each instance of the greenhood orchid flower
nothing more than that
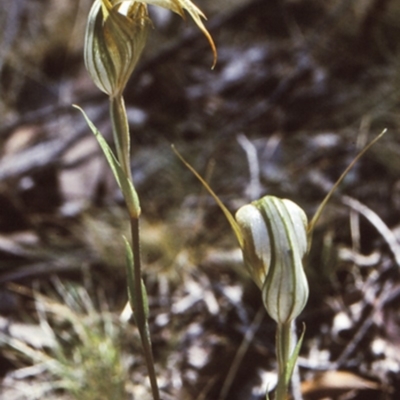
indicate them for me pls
(116, 34)
(115, 38)
(274, 235)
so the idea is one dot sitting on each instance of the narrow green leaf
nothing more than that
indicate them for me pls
(228, 215)
(130, 273)
(131, 281)
(126, 186)
(293, 358)
(145, 300)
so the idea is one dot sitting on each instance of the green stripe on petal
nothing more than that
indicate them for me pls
(274, 235)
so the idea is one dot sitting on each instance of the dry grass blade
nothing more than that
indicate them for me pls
(377, 222)
(85, 348)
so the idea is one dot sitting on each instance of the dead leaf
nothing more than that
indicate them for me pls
(333, 383)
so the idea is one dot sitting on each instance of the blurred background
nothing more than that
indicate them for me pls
(300, 87)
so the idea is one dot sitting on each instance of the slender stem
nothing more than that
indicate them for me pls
(122, 142)
(121, 134)
(284, 347)
(139, 312)
(295, 381)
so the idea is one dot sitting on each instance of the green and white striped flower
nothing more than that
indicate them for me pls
(115, 38)
(116, 34)
(274, 233)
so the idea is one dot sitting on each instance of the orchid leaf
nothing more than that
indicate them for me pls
(130, 273)
(126, 186)
(284, 379)
(293, 358)
(131, 282)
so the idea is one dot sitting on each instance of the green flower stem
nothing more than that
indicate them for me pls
(284, 348)
(121, 134)
(139, 311)
(122, 142)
